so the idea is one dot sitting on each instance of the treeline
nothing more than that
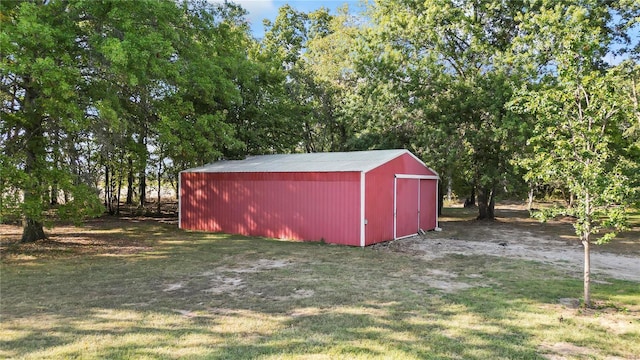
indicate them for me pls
(101, 98)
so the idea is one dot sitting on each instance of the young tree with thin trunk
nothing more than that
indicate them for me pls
(579, 137)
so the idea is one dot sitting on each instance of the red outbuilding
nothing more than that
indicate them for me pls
(353, 198)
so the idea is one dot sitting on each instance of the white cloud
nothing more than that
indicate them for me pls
(257, 11)
(258, 8)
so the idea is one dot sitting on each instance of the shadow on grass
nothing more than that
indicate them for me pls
(341, 332)
(200, 295)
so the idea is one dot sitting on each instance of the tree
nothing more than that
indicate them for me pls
(42, 89)
(132, 49)
(286, 39)
(329, 61)
(97, 83)
(579, 135)
(266, 118)
(194, 119)
(437, 73)
(315, 53)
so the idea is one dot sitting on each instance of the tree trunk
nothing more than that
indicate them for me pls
(471, 200)
(54, 193)
(107, 191)
(112, 191)
(176, 186)
(32, 231)
(586, 238)
(119, 191)
(492, 204)
(142, 178)
(530, 198)
(35, 151)
(159, 208)
(55, 142)
(130, 180)
(106, 186)
(486, 204)
(587, 273)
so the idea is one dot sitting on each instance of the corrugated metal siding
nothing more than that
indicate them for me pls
(303, 206)
(428, 205)
(194, 193)
(300, 206)
(378, 206)
(379, 196)
(407, 207)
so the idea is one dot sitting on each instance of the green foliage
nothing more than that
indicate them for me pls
(87, 87)
(83, 203)
(498, 97)
(42, 85)
(314, 53)
(10, 196)
(579, 139)
(438, 82)
(581, 136)
(266, 120)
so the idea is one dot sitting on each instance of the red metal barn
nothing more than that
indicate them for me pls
(352, 198)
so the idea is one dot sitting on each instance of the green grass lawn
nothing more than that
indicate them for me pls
(144, 289)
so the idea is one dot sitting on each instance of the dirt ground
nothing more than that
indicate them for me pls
(515, 235)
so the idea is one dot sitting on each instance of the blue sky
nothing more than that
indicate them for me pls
(268, 9)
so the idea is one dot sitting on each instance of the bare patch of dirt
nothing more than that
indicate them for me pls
(225, 284)
(254, 267)
(229, 280)
(295, 295)
(521, 244)
(173, 287)
(517, 236)
(616, 321)
(443, 280)
(563, 350)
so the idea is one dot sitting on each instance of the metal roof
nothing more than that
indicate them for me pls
(308, 162)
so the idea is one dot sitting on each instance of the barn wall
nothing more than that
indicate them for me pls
(379, 196)
(300, 206)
